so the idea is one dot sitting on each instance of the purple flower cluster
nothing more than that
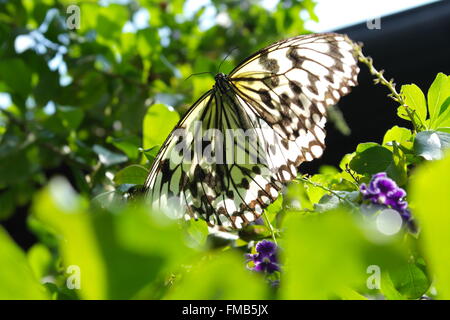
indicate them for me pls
(383, 190)
(265, 259)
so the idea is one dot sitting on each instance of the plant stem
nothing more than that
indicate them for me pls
(380, 79)
(328, 190)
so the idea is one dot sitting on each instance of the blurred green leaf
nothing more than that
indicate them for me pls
(203, 283)
(335, 242)
(129, 145)
(430, 186)
(108, 158)
(134, 174)
(117, 254)
(151, 154)
(17, 280)
(71, 117)
(337, 259)
(40, 259)
(15, 73)
(197, 231)
(158, 123)
(6, 204)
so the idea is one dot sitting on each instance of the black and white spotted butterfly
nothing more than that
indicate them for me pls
(274, 104)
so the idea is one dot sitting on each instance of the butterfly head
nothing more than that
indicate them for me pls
(220, 77)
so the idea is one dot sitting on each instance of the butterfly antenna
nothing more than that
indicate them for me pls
(198, 73)
(228, 54)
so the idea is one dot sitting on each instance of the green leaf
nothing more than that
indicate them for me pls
(274, 208)
(388, 288)
(444, 118)
(197, 231)
(129, 145)
(410, 281)
(330, 202)
(134, 174)
(415, 100)
(204, 282)
(430, 187)
(437, 94)
(15, 73)
(431, 144)
(372, 160)
(108, 158)
(118, 253)
(151, 153)
(397, 170)
(398, 134)
(158, 123)
(40, 259)
(17, 280)
(71, 117)
(335, 242)
(14, 168)
(6, 204)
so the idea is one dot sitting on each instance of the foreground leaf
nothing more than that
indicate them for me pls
(429, 193)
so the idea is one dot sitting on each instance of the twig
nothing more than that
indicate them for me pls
(380, 79)
(337, 195)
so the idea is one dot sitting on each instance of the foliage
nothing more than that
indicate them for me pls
(84, 112)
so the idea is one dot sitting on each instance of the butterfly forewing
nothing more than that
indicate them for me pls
(230, 155)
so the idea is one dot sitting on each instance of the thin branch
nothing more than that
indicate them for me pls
(380, 79)
(337, 195)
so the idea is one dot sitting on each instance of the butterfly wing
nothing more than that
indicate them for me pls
(210, 167)
(290, 84)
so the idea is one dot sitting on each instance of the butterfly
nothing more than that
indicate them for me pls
(236, 148)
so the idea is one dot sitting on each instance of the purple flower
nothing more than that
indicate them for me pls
(265, 259)
(383, 190)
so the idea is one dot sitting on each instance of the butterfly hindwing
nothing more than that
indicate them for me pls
(222, 179)
(291, 83)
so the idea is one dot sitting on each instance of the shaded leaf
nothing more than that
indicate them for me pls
(431, 144)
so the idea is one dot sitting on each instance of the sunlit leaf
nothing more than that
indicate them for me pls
(415, 100)
(437, 94)
(17, 280)
(158, 123)
(134, 174)
(203, 281)
(429, 193)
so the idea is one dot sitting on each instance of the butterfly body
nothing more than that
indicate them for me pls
(237, 146)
